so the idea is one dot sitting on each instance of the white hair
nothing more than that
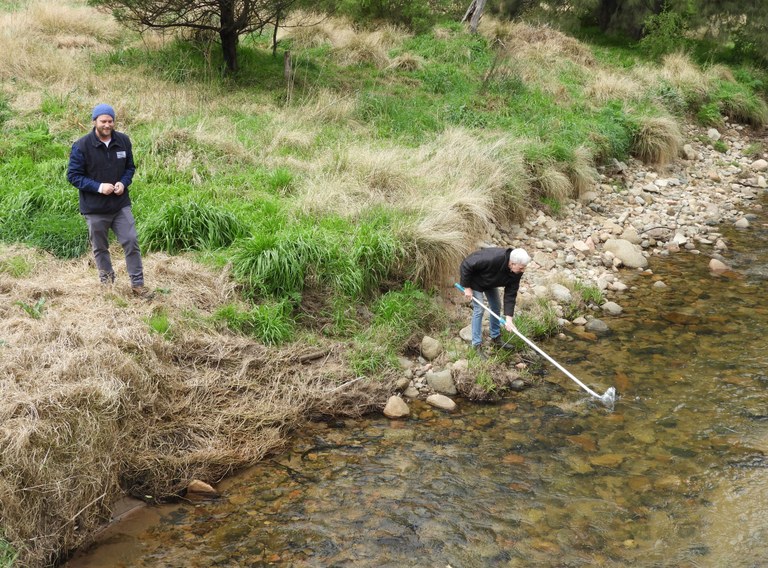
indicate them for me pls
(519, 256)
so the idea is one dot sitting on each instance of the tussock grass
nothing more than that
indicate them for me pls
(536, 42)
(554, 183)
(607, 85)
(581, 171)
(658, 140)
(187, 226)
(407, 62)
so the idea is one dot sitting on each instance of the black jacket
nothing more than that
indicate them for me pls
(488, 268)
(91, 163)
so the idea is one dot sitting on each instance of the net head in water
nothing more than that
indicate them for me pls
(609, 398)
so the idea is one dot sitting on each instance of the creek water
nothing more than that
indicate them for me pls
(675, 475)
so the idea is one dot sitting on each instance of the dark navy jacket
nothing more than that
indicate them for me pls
(91, 163)
(488, 268)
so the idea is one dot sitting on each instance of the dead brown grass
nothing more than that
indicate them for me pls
(96, 404)
(538, 42)
(658, 140)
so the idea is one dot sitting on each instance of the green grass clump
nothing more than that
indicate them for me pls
(398, 315)
(333, 253)
(160, 323)
(741, 104)
(16, 266)
(589, 294)
(270, 322)
(7, 554)
(189, 225)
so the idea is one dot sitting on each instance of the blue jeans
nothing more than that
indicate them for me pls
(477, 315)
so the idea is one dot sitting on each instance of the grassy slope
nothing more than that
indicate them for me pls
(392, 155)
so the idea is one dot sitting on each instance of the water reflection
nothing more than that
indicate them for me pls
(675, 476)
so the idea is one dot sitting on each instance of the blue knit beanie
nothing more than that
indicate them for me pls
(100, 109)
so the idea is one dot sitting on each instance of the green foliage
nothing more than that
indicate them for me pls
(484, 379)
(397, 316)
(5, 109)
(589, 294)
(35, 310)
(416, 15)
(7, 554)
(665, 32)
(407, 309)
(190, 225)
(741, 103)
(709, 114)
(720, 146)
(270, 322)
(554, 206)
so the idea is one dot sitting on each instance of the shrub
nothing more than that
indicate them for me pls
(665, 33)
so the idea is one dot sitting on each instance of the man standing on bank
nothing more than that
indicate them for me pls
(101, 166)
(482, 272)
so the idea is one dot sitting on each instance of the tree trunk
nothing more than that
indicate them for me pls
(229, 41)
(474, 13)
(228, 34)
(605, 12)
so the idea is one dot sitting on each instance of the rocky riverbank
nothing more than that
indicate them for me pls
(634, 212)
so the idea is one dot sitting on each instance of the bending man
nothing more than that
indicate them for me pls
(482, 272)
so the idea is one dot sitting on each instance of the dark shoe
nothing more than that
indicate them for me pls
(498, 343)
(143, 292)
(479, 353)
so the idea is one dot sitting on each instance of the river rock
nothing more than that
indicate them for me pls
(597, 326)
(201, 488)
(430, 348)
(442, 402)
(612, 308)
(742, 223)
(411, 392)
(718, 265)
(396, 408)
(441, 381)
(629, 254)
(560, 293)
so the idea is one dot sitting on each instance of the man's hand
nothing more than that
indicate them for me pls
(119, 188)
(509, 324)
(468, 292)
(107, 189)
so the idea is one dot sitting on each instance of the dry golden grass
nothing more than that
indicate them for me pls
(537, 42)
(94, 403)
(554, 183)
(658, 140)
(606, 85)
(407, 62)
(350, 45)
(582, 171)
(450, 191)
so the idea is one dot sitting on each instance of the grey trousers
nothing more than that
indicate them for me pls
(123, 225)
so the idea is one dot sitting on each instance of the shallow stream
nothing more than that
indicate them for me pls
(676, 475)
